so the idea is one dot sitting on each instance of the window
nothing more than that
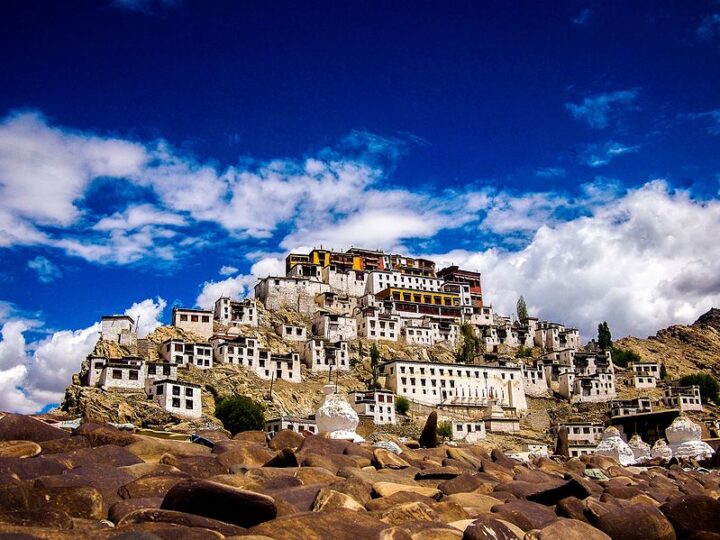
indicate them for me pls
(194, 318)
(206, 318)
(189, 392)
(183, 318)
(176, 402)
(189, 404)
(133, 376)
(159, 390)
(117, 374)
(176, 390)
(152, 370)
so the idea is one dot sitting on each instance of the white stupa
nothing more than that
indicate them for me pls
(337, 417)
(640, 448)
(613, 446)
(685, 438)
(661, 450)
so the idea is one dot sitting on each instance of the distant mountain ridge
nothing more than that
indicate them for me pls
(684, 349)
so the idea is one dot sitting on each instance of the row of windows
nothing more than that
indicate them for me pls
(457, 373)
(195, 318)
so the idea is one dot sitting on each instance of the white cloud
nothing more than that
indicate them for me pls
(713, 118)
(550, 172)
(598, 155)
(228, 270)
(709, 27)
(522, 213)
(147, 314)
(641, 262)
(597, 110)
(583, 17)
(46, 270)
(241, 286)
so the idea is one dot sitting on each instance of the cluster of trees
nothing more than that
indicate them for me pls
(621, 357)
(709, 387)
(240, 413)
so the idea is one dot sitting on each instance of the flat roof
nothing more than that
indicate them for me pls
(194, 310)
(449, 365)
(117, 317)
(172, 381)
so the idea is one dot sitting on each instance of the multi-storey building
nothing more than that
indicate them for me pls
(334, 326)
(583, 437)
(685, 398)
(629, 406)
(645, 374)
(177, 397)
(292, 423)
(434, 383)
(471, 279)
(294, 293)
(118, 328)
(291, 332)
(340, 304)
(418, 304)
(183, 353)
(377, 404)
(160, 370)
(126, 373)
(372, 324)
(234, 313)
(323, 355)
(468, 431)
(198, 321)
(237, 350)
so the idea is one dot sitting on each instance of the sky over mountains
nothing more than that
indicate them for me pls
(160, 153)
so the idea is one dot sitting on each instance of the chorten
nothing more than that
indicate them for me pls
(640, 448)
(685, 438)
(337, 417)
(661, 450)
(613, 446)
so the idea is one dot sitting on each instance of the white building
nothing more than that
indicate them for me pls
(234, 313)
(349, 282)
(176, 397)
(443, 330)
(295, 293)
(238, 350)
(417, 334)
(645, 374)
(298, 425)
(322, 355)
(291, 332)
(185, 353)
(118, 328)
(160, 370)
(127, 373)
(334, 327)
(434, 383)
(583, 437)
(372, 324)
(332, 302)
(468, 431)
(536, 383)
(379, 280)
(630, 407)
(198, 321)
(378, 404)
(278, 366)
(685, 398)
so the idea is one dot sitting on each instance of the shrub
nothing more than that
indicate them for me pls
(709, 387)
(623, 357)
(240, 413)
(402, 405)
(523, 352)
(444, 429)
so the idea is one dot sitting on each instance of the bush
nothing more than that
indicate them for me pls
(240, 413)
(523, 352)
(444, 429)
(709, 387)
(402, 405)
(622, 357)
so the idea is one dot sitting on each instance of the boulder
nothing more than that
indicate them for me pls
(428, 437)
(64, 445)
(13, 493)
(19, 449)
(221, 502)
(150, 486)
(257, 437)
(247, 455)
(572, 508)
(384, 459)
(122, 508)
(690, 514)
(196, 466)
(29, 469)
(465, 483)
(525, 514)
(329, 499)
(80, 502)
(489, 528)
(474, 503)
(283, 458)
(36, 517)
(439, 473)
(19, 427)
(286, 438)
(562, 446)
(319, 444)
(551, 496)
(429, 530)
(449, 511)
(411, 511)
(400, 497)
(150, 449)
(156, 515)
(638, 522)
(567, 529)
(357, 488)
(336, 524)
(301, 498)
(107, 455)
(385, 489)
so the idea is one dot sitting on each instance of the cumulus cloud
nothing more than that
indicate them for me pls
(37, 373)
(46, 270)
(147, 314)
(228, 270)
(241, 286)
(597, 111)
(642, 262)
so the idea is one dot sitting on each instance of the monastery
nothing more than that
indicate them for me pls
(379, 296)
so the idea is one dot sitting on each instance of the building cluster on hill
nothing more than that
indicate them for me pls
(373, 295)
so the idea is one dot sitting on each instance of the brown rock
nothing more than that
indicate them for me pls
(80, 502)
(107, 455)
(301, 497)
(461, 455)
(449, 511)
(196, 466)
(281, 482)
(221, 502)
(439, 473)
(150, 449)
(358, 489)
(474, 503)
(29, 469)
(498, 472)
(257, 437)
(13, 493)
(693, 513)
(332, 463)
(36, 517)
(238, 481)
(384, 459)
(19, 449)
(411, 511)
(247, 455)
(150, 486)
(639, 522)
(106, 434)
(430, 530)
(525, 514)
(317, 444)
(58, 446)
(562, 446)
(384, 489)
(155, 515)
(567, 529)
(148, 469)
(401, 497)
(166, 531)
(572, 508)
(122, 508)
(488, 528)
(286, 438)
(283, 458)
(428, 437)
(465, 483)
(18, 427)
(551, 496)
(335, 525)
(329, 499)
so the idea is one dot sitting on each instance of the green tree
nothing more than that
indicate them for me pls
(402, 405)
(444, 429)
(709, 387)
(604, 336)
(469, 344)
(623, 357)
(522, 311)
(374, 367)
(240, 413)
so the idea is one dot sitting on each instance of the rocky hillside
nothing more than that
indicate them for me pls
(684, 349)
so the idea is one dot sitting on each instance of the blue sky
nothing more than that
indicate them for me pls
(570, 151)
